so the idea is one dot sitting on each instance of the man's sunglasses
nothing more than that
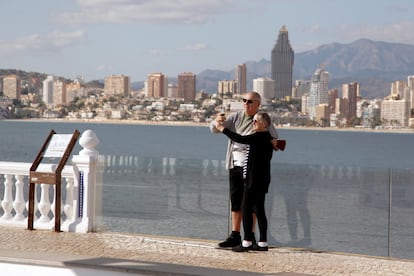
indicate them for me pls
(247, 101)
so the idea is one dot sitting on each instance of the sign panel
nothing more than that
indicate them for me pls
(57, 145)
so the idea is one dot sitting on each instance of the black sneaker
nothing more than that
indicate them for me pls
(231, 241)
(260, 246)
(241, 248)
(256, 247)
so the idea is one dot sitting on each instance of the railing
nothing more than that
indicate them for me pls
(78, 192)
(325, 207)
(15, 205)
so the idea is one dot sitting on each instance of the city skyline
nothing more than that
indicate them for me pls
(94, 39)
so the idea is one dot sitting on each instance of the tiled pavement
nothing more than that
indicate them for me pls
(155, 255)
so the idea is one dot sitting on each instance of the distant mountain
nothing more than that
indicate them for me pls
(373, 64)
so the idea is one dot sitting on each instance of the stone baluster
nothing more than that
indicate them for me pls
(53, 207)
(87, 162)
(171, 162)
(205, 166)
(215, 164)
(19, 203)
(44, 204)
(68, 206)
(7, 202)
(223, 167)
(164, 165)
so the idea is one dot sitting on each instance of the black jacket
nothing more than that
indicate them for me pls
(258, 160)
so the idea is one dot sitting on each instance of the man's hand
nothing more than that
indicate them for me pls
(278, 144)
(220, 117)
(220, 126)
(274, 143)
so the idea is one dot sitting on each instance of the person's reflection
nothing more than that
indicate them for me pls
(295, 195)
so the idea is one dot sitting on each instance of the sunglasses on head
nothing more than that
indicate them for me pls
(247, 101)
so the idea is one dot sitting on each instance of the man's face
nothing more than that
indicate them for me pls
(251, 104)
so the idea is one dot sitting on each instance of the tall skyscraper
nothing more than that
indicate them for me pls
(395, 112)
(318, 93)
(117, 85)
(265, 87)
(156, 85)
(11, 87)
(48, 90)
(186, 86)
(241, 75)
(227, 87)
(350, 91)
(410, 85)
(59, 93)
(282, 57)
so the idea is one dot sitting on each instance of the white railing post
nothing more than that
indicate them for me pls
(7, 202)
(87, 165)
(19, 204)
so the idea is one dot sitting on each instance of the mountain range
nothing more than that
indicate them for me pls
(374, 64)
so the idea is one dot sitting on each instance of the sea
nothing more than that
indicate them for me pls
(335, 190)
(21, 140)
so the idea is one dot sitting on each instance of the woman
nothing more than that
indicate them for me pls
(257, 179)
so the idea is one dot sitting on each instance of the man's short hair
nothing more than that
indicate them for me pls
(256, 96)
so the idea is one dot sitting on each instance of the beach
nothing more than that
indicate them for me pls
(206, 124)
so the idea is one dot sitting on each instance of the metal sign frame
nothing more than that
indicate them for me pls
(62, 150)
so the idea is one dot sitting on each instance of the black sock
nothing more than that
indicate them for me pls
(235, 233)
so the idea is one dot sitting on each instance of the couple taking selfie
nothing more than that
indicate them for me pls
(252, 140)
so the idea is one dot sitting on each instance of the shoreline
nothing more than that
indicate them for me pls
(195, 124)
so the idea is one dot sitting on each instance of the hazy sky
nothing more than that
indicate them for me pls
(96, 38)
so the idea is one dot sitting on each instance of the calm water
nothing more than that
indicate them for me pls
(318, 174)
(20, 141)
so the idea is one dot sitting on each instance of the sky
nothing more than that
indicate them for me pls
(96, 38)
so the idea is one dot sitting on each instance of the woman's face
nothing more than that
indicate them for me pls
(258, 125)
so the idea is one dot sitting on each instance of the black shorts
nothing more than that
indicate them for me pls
(236, 188)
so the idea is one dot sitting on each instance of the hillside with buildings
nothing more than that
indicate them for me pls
(364, 83)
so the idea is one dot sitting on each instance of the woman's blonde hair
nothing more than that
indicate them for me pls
(264, 117)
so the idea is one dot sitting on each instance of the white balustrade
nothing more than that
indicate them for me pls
(7, 202)
(14, 202)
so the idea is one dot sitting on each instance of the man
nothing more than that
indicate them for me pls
(240, 122)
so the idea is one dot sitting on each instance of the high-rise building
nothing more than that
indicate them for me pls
(241, 79)
(187, 86)
(48, 90)
(75, 89)
(410, 85)
(318, 93)
(397, 90)
(11, 87)
(304, 103)
(265, 87)
(117, 85)
(300, 88)
(59, 93)
(282, 57)
(156, 85)
(322, 114)
(227, 87)
(350, 91)
(332, 96)
(172, 90)
(395, 112)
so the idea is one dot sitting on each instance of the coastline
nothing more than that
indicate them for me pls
(198, 124)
